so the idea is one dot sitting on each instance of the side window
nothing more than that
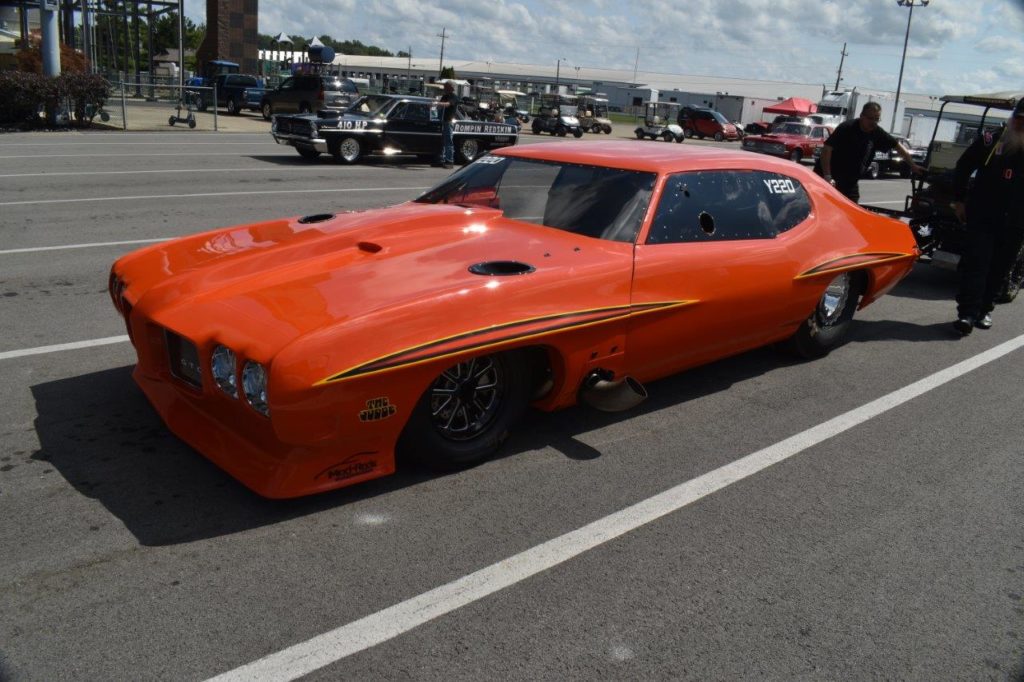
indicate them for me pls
(288, 84)
(420, 113)
(786, 199)
(817, 133)
(399, 113)
(729, 205)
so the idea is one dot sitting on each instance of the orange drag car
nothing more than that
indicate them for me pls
(300, 354)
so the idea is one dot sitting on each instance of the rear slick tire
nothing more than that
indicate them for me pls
(828, 325)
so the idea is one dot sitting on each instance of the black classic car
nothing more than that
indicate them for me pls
(388, 124)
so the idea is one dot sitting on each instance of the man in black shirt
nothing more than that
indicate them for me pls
(851, 148)
(994, 214)
(448, 103)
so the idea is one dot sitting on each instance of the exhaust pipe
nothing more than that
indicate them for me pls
(601, 392)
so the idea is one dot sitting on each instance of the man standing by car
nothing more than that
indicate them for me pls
(850, 148)
(994, 214)
(448, 103)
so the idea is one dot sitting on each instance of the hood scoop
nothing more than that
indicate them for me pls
(501, 268)
(315, 218)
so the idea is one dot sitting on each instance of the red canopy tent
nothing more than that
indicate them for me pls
(795, 106)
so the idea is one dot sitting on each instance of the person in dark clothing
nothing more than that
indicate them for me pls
(850, 149)
(449, 104)
(994, 214)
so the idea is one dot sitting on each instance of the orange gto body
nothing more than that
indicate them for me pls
(296, 353)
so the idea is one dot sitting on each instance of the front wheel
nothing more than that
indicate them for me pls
(348, 150)
(232, 107)
(466, 412)
(687, 132)
(607, 130)
(667, 136)
(577, 133)
(873, 170)
(639, 134)
(828, 325)
(560, 131)
(468, 149)
(268, 111)
(719, 137)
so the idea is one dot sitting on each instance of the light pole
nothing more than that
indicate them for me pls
(558, 67)
(577, 86)
(906, 38)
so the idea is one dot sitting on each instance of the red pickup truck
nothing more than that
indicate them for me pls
(794, 141)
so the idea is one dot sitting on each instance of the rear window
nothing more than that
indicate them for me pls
(725, 205)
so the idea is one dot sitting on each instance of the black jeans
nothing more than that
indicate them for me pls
(992, 249)
(849, 189)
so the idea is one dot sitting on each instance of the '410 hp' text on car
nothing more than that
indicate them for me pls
(300, 354)
(388, 124)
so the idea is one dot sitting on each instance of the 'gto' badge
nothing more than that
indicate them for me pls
(377, 409)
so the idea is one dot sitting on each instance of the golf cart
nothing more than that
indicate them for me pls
(557, 116)
(593, 114)
(940, 236)
(508, 100)
(655, 122)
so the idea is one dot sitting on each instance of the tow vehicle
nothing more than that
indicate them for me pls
(941, 237)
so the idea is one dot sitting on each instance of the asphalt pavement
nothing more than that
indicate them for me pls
(885, 542)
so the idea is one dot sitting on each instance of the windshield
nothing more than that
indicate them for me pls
(369, 105)
(604, 203)
(717, 115)
(792, 129)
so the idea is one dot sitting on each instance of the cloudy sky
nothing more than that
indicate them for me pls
(955, 45)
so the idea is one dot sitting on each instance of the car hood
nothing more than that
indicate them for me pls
(381, 275)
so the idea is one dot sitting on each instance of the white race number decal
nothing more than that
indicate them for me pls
(778, 186)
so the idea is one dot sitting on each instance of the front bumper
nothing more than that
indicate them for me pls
(316, 143)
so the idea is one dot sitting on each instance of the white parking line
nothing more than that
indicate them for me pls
(163, 172)
(75, 345)
(33, 249)
(211, 194)
(330, 647)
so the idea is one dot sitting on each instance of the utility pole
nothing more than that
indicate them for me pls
(442, 35)
(839, 75)
(636, 64)
(408, 71)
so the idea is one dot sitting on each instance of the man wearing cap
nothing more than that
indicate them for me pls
(994, 213)
(851, 147)
(448, 103)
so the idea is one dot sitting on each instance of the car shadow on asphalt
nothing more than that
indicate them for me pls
(100, 433)
(927, 283)
(400, 162)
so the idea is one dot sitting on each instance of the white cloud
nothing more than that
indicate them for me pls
(790, 40)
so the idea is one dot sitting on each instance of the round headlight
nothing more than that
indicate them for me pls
(254, 383)
(222, 363)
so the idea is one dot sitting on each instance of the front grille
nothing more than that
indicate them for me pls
(291, 126)
(183, 359)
